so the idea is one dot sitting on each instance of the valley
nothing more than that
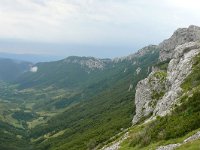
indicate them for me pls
(146, 100)
(80, 100)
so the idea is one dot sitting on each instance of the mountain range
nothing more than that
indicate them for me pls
(147, 100)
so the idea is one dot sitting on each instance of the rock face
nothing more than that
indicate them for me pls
(89, 62)
(141, 52)
(178, 69)
(148, 92)
(180, 36)
(138, 70)
(157, 94)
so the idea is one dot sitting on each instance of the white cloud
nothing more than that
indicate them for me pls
(96, 22)
(34, 69)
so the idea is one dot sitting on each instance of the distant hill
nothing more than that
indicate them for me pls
(11, 69)
(34, 58)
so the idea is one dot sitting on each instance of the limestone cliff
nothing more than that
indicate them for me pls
(179, 68)
(159, 92)
(148, 92)
(89, 62)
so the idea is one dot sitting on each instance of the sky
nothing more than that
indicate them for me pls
(99, 28)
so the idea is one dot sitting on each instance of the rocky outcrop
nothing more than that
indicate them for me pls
(89, 62)
(130, 87)
(178, 69)
(180, 36)
(169, 147)
(140, 53)
(148, 91)
(138, 70)
(156, 96)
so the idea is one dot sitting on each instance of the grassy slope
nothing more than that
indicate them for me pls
(194, 145)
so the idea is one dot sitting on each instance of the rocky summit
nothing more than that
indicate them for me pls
(180, 36)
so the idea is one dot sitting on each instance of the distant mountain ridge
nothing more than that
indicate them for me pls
(12, 69)
(33, 58)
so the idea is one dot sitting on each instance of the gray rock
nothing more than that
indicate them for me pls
(146, 90)
(193, 137)
(89, 62)
(169, 147)
(179, 68)
(138, 70)
(180, 36)
(130, 87)
(140, 53)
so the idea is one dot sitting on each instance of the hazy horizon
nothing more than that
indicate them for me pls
(98, 28)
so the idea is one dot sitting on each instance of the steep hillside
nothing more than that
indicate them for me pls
(167, 101)
(164, 86)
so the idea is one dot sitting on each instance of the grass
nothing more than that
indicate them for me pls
(160, 75)
(163, 65)
(194, 145)
(193, 80)
(126, 144)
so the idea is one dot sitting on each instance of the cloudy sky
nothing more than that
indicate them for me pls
(100, 28)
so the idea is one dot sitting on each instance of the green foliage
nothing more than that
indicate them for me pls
(157, 95)
(161, 75)
(10, 139)
(140, 138)
(163, 65)
(184, 119)
(88, 108)
(99, 118)
(103, 114)
(193, 80)
(25, 116)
